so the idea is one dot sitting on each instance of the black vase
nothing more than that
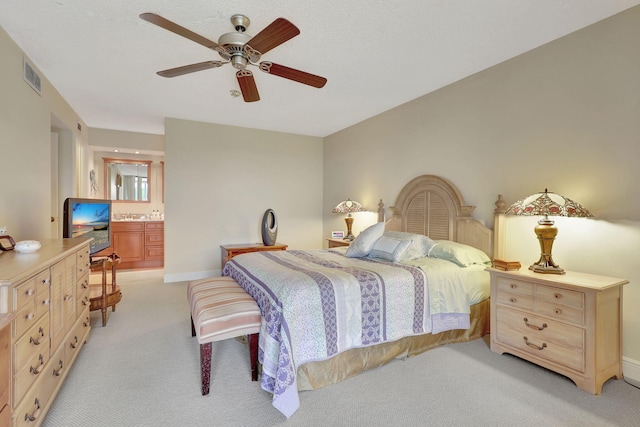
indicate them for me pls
(269, 228)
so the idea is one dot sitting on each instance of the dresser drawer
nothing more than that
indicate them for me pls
(30, 314)
(28, 375)
(514, 293)
(547, 339)
(561, 304)
(83, 262)
(25, 294)
(35, 340)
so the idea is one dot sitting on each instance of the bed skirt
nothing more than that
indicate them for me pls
(315, 375)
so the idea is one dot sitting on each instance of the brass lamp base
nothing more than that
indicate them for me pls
(546, 232)
(349, 220)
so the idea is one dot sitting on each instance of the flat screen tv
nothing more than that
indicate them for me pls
(88, 218)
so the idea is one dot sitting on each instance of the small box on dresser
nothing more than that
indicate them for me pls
(569, 323)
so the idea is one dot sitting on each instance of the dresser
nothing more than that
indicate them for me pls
(569, 323)
(229, 251)
(47, 294)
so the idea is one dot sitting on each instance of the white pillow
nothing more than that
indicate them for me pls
(419, 247)
(389, 248)
(362, 245)
(459, 253)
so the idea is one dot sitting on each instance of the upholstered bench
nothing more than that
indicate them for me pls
(221, 309)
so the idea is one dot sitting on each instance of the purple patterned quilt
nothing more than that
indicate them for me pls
(318, 303)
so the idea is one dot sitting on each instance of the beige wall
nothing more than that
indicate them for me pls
(26, 121)
(219, 182)
(565, 116)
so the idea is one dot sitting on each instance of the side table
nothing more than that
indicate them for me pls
(336, 243)
(102, 296)
(229, 251)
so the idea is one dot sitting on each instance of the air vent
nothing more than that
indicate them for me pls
(31, 77)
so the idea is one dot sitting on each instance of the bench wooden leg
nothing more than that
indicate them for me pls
(205, 366)
(253, 355)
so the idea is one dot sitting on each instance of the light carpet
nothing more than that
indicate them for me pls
(143, 369)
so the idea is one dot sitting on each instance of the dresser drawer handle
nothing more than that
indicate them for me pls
(37, 369)
(73, 344)
(534, 327)
(46, 282)
(87, 322)
(513, 286)
(513, 300)
(29, 292)
(58, 372)
(36, 341)
(557, 311)
(36, 413)
(45, 301)
(557, 296)
(29, 316)
(532, 345)
(84, 285)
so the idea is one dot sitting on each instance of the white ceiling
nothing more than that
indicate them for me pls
(376, 54)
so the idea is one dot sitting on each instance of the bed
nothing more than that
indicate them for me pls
(331, 314)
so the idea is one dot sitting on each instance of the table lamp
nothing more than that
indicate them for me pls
(347, 207)
(547, 204)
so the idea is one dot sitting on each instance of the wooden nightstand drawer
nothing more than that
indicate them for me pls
(514, 293)
(546, 344)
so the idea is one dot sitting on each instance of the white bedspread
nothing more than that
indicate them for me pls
(318, 303)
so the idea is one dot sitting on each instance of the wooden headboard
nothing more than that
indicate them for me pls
(433, 206)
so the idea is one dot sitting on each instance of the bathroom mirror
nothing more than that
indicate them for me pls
(127, 180)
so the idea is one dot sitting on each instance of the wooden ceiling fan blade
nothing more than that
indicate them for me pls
(179, 30)
(276, 33)
(192, 68)
(293, 74)
(247, 86)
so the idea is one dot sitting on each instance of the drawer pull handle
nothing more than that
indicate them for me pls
(74, 343)
(513, 286)
(36, 413)
(513, 300)
(45, 301)
(84, 285)
(534, 327)
(46, 282)
(87, 322)
(29, 316)
(36, 341)
(58, 372)
(29, 292)
(37, 369)
(557, 296)
(557, 311)
(532, 345)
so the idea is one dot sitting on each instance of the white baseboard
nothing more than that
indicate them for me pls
(189, 276)
(631, 371)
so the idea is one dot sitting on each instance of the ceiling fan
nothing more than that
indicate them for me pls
(241, 50)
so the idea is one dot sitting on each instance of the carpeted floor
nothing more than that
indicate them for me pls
(142, 369)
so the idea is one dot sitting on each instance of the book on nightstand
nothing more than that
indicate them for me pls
(506, 265)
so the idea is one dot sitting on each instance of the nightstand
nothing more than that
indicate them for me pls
(336, 243)
(229, 251)
(569, 323)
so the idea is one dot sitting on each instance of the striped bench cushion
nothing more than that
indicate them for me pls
(221, 309)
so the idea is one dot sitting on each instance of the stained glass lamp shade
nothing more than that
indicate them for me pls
(547, 204)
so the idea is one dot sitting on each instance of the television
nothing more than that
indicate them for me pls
(88, 218)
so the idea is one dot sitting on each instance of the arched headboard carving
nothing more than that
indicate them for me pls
(433, 206)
